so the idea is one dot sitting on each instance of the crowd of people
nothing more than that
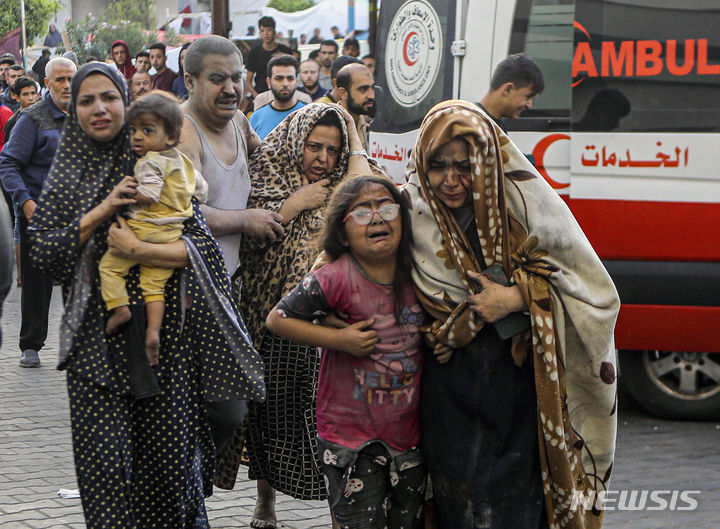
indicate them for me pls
(257, 291)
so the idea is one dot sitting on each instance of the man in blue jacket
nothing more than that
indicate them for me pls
(24, 164)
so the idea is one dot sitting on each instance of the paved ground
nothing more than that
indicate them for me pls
(36, 456)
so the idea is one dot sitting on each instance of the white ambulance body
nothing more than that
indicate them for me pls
(627, 130)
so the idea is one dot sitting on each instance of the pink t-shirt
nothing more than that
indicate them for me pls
(375, 397)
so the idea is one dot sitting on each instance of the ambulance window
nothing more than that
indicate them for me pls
(543, 30)
(646, 66)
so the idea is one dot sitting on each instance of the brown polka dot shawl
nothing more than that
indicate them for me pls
(526, 227)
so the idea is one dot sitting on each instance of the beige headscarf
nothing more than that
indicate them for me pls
(524, 226)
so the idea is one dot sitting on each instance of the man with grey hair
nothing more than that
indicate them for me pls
(217, 137)
(140, 83)
(24, 164)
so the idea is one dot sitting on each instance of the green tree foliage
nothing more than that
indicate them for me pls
(89, 37)
(37, 16)
(290, 6)
(140, 11)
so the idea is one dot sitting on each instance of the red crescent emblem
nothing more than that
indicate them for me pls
(539, 152)
(408, 60)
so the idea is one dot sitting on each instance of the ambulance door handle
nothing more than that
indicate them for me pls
(458, 48)
(558, 124)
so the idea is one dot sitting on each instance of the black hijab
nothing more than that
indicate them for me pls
(92, 68)
(111, 73)
(99, 165)
(83, 172)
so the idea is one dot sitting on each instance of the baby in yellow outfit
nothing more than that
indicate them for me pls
(166, 181)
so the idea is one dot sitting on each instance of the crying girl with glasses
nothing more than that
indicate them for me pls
(369, 382)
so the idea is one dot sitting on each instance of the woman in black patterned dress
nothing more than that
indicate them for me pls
(144, 454)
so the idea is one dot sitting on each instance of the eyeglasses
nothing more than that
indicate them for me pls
(364, 216)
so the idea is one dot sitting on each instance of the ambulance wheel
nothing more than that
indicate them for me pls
(673, 385)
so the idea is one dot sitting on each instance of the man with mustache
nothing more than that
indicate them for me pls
(141, 83)
(310, 77)
(24, 164)
(218, 138)
(282, 78)
(356, 92)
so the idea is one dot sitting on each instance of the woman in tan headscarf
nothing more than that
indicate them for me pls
(477, 202)
(293, 173)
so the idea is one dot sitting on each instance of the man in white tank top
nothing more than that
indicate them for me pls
(218, 139)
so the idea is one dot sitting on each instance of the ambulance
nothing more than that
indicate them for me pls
(627, 131)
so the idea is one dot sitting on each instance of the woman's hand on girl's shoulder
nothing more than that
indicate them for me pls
(356, 341)
(123, 194)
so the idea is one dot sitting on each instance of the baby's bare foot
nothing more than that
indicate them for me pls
(152, 346)
(120, 316)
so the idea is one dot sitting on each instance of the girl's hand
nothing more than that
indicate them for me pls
(122, 241)
(441, 351)
(123, 194)
(356, 341)
(495, 301)
(311, 196)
